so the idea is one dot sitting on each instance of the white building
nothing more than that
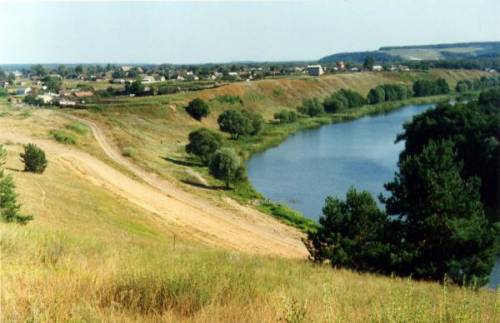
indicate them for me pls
(315, 70)
(377, 68)
(147, 79)
(23, 90)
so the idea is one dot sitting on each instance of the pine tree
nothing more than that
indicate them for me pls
(445, 230)
(9, 208)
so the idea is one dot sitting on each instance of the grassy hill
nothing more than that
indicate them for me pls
(94, 254)
(422, 52)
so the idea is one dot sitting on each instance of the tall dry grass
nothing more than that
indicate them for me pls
(50, 276)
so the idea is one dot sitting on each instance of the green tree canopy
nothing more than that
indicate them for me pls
(34, 159)
(9, 207)
(351, 234)
(198, 109)
(227, 166)
(445, 230)
(311, 107)
(203, 143)
(236, 123)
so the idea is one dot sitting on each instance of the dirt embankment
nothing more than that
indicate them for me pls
(228, 225)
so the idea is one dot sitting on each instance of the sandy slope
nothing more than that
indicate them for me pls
(229, 225)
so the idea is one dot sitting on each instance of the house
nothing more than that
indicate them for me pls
(126, 68)
(314, 70)
(340, 66)
(66, 103)
(83, 94)
(377, 68)
(180, 78)
(118, 81)
(23, 90)
(45, 98)
(159, 78)
(4, 84)
(148, 79)
(354, 69)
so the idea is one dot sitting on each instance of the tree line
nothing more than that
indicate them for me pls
(477, 84)
(441, 218)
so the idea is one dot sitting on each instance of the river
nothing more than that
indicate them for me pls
(315, 163)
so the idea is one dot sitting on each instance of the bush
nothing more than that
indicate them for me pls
(343, 99)
(351, 234)
(286, 116)
(311, 107)
(229, 99)
(198, 109)
(256, 121)
(34, 159)
(430, 87)
(388, 92)
(203, 143)
(63, 137)
(239, 123)
(227, 166)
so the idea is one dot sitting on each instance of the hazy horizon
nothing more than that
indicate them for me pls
(202, 32)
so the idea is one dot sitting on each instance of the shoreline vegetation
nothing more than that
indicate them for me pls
(274, 134)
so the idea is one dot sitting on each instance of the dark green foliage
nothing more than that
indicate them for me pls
(376, 95)
(136, 87)
(226, 166)
(430, 87)
(286, 116)
(117, 74)
(490, 98)
(475, 131)
(343, 99)
(311, 107)
(351, 234)
(34, 159)
(256, 122)
(240, 123)
(198, 109)
(9, 207)
(32, 100)
(53, 83)
(388, 92)
(368, 63)
(444, 231)
(203, 143)
(63, 137)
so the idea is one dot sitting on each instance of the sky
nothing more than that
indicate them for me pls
(185, 32)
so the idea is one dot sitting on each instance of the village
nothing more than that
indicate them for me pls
(73, 86)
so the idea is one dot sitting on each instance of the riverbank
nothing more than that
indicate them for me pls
(274, 134)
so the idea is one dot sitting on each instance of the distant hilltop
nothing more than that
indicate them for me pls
(474, 50)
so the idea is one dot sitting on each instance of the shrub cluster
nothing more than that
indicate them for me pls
(311, 107)
(388, 92)
(430, 87)
(286, 116)
(477, 84)
(240, 123)
(198, 109)
(343, 99)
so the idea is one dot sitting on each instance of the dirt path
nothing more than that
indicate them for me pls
(229, 225)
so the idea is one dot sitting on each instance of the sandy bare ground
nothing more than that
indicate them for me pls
(228, 225)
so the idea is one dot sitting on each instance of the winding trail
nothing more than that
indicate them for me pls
(226, 224)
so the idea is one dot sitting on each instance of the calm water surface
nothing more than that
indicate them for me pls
(313, 164)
